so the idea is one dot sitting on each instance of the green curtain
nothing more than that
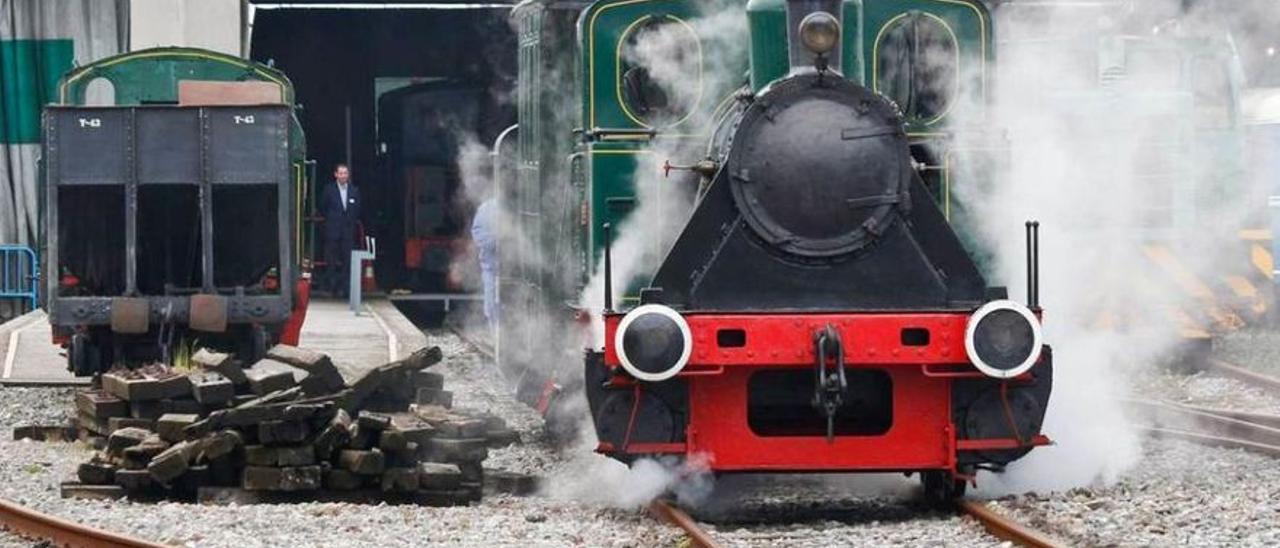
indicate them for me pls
(39, 41)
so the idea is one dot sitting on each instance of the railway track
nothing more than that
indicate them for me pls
(1002, 527)
(995, 523)
(669, 513)
(1255, 432)
(480, 346)
(29, 523)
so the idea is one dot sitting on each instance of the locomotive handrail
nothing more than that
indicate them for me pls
(928, 371)
(19, 273)
(697, 372)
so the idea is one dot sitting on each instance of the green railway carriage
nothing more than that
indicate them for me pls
(578, 154)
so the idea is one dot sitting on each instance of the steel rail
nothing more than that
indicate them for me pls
(1215, 441)
(1255, 429)
(1272, 421)
(1002, 527)
(667, 512)
(471, 341)
(30, 523)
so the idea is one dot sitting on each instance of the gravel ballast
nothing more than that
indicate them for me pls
(819, 510)
(1253, 348)
(1181, 494)
(477, 385)
(10, 540)
(1206, 390)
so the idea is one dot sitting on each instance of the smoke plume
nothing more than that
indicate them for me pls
(693, 85)
(1110, 148)
(663, 202)
(593, 479)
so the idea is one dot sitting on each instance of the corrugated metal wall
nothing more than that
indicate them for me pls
(39, 41)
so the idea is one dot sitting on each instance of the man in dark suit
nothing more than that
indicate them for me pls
(340, 206)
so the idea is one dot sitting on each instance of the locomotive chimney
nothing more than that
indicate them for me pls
(814, 29)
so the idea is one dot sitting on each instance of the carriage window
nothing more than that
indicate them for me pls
(916, 65)
(658, 59)
(100, 93)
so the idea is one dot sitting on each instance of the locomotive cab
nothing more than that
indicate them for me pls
(818, 312)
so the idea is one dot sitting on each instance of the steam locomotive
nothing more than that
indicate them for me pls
(864, 336)
(817, 311)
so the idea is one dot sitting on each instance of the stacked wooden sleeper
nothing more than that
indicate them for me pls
(287, 425)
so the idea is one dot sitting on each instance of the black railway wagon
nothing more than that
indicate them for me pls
(165, 222)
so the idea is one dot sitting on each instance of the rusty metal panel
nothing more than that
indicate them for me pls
(208, 313)
(209, 93)
(130, 315)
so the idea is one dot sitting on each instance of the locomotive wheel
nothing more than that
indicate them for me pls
(941, 488)
(260, 340)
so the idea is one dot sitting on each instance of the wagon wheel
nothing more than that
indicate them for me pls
(941, 488)
(259, 342)
(82, 357)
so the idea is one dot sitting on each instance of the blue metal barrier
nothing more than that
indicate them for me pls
(19, 273)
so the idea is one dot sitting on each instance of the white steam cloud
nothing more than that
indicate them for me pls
(1102, 124)
(594, 479)
(691, 83)
(662, 206)
(475, 169)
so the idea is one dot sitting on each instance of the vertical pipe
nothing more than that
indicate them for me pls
(608, 269)
(206, 208)
(285, 201)
(1035, 237)
(348, 128)
(310, 177)
(130, 210)
(53, 171)
(1030, 269)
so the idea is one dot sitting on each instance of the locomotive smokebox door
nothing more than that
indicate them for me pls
(819, 170)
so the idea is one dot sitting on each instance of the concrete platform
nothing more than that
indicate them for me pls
(379, 334)
(29, 356)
